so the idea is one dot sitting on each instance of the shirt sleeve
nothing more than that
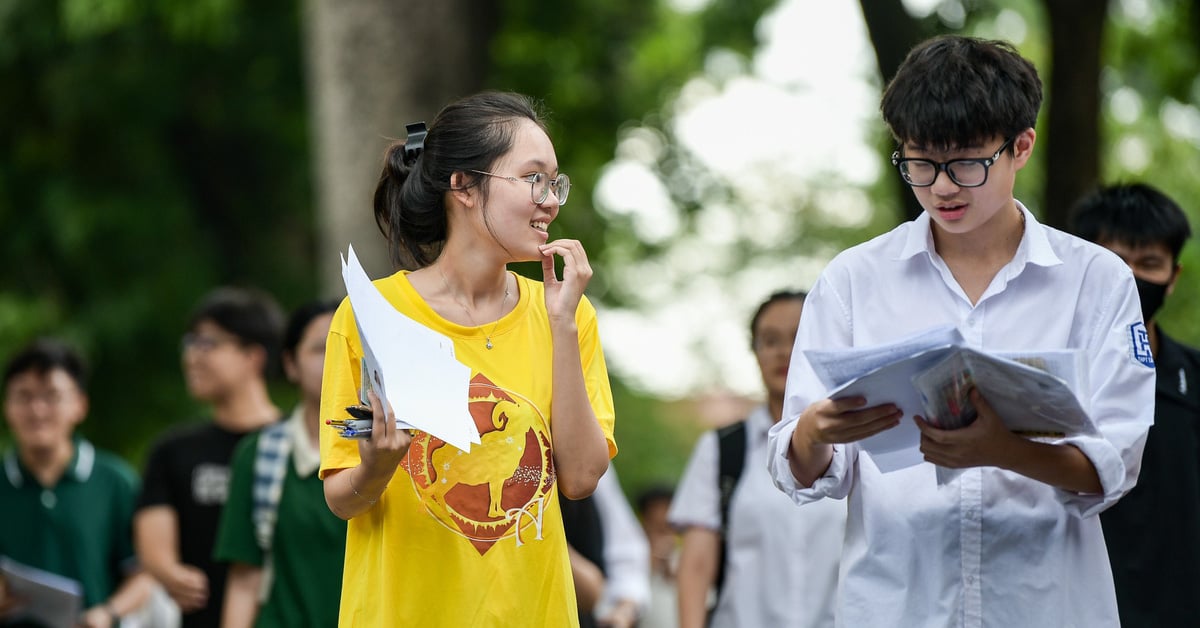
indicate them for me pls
(595, 372)
(626, 550)
(156, 480)
(824, 324)
(125, 497)
(339, 389)
(236, 541)
(1121, 404)
(697, 500)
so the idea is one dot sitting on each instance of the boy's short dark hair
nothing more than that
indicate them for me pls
(953, 91)
(251, 315)
(1133, 214)
(44, 355)
(301, 317)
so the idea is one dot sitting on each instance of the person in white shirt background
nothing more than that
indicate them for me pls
(1013, 539)
(780, 564)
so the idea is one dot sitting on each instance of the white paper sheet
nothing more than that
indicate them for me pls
(1028, 399)
(412, 367)
(47, 598)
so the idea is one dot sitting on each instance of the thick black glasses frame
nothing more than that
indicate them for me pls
(944, 166)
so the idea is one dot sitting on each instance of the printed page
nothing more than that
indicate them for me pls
(411, 367)
(1029, 399)
(896, 448)
(836, 367)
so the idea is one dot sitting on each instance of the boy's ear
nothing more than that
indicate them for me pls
(1174, 278)
(1023, 146)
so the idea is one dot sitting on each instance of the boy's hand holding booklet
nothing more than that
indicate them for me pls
(931, 373)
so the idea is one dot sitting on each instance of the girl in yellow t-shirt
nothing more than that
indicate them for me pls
(438, 536)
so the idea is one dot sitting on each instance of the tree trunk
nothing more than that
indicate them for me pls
(1073, 105)
(374, 66)
(893, 33)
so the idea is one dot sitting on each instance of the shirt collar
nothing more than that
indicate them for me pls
(1034, 247)
(306, 456)
(79, 468)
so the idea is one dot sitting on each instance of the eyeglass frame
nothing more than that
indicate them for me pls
(562, 176)
(944, 166)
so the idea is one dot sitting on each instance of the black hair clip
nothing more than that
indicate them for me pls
(415, 142)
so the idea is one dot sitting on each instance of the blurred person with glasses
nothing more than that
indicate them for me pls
(229, 350)
(748, 557)
(59, 491)
(285, 549)
(1011, 537)
(438, 536)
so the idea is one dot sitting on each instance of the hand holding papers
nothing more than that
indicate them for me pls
(929, 374)
(409, 366)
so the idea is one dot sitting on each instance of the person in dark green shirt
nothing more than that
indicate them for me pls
(285, 546)
(68, 506)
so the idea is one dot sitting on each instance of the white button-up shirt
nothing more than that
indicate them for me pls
(782, 561)
(990, 548)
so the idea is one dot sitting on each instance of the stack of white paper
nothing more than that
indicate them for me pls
(413, 368)
(914, 371)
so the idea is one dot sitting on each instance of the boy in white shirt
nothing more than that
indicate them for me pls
(1013, 539)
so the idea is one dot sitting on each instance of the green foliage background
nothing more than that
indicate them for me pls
(154, 150)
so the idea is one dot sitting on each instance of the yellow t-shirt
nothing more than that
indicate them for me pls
(462, 539)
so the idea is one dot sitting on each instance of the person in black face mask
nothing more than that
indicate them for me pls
(1153, 533)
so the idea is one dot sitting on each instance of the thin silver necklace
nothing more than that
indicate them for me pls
(467, 311)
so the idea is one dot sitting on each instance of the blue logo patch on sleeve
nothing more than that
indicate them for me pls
(1139, 341)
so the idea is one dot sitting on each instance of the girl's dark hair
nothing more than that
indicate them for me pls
(953, 91)
(782, 295)
(468, 134)
(299, 320)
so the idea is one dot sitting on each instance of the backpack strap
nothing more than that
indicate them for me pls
(270, 469)
(731, 459)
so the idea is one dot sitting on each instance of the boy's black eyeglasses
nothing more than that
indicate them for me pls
(967, 173)
(540, 185)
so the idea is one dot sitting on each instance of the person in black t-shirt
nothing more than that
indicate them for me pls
(1153, 533)
(232, 341)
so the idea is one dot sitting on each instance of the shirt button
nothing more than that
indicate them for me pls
(49, 500)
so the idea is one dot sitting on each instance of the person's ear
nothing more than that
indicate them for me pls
(1023, 146)
(84, 406)
(291, 370)
(1174, 278)
(258, 356)
(460, 190)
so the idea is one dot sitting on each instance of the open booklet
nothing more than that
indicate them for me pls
(929, 374)
(411, 368)
(44, 598)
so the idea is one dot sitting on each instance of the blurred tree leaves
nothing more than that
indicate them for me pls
(152, 151)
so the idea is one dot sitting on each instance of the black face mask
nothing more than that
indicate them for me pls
(1151, 296)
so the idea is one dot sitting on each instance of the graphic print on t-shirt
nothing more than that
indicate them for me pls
(210, 484)
(501, 488)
